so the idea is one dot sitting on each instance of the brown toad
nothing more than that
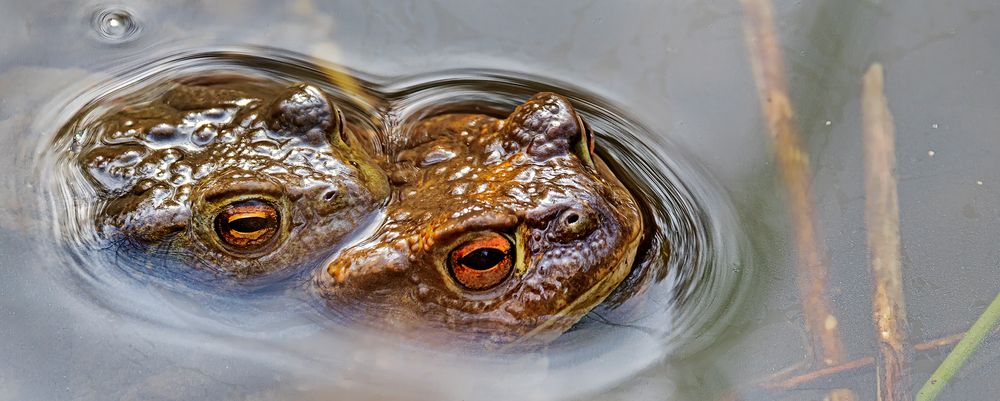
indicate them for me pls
(230, 174)
(506, 230)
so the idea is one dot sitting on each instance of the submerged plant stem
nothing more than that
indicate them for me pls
(943, 374)
(825, 377)
(882, 224)
(793, 163)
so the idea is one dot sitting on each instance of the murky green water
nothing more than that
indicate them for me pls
(676, 69)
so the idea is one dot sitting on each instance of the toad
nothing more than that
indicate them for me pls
(502, 230)
(231, 175)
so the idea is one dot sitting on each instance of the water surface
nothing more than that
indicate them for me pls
(676, 69)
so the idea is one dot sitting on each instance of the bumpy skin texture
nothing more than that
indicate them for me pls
(166, 168)
(574, 230)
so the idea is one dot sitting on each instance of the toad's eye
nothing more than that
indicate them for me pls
(247, 224)
(483, 262)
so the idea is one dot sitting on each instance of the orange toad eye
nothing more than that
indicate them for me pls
(482, 263)
(247, 224)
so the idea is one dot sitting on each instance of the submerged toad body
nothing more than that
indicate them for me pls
(503, 230)
(231, 175)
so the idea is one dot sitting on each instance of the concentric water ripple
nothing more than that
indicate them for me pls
(685, 282)
(115, 25)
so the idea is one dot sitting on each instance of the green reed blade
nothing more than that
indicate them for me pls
(961, 353)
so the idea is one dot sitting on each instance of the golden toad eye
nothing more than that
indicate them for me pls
(482, 263)
(247, 224)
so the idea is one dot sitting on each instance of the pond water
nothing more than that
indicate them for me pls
(668, 89)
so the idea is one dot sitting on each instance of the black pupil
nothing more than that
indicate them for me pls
(249, 224)
(482, 258)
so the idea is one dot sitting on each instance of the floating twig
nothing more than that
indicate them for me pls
(882, 223)
(954, 361)
(826, 378)
(769, 75)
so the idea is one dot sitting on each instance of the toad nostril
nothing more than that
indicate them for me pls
(575, 223)
(572, 218)
(329, 195)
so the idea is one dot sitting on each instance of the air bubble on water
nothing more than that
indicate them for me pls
(115, 25)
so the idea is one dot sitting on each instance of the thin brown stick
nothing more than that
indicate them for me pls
(942, 342)
(882, 223)
(812, 380)
(827, 377)
(769, 75)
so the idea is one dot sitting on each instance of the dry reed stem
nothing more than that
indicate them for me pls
(825, 378)
(768, 69)
(882, 223)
